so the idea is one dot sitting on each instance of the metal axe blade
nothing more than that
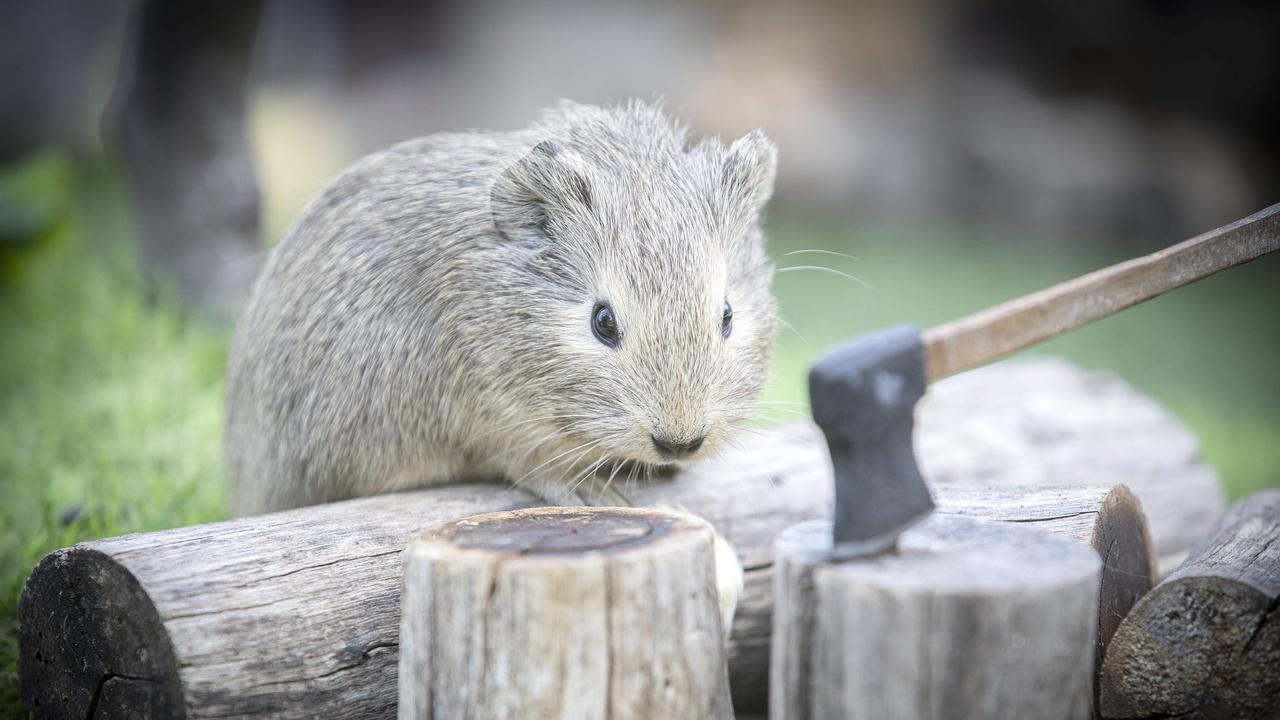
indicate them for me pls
(863, 396)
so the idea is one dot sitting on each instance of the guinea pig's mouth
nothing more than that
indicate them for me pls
(620, 452)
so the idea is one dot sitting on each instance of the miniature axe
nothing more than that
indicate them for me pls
(863, 394)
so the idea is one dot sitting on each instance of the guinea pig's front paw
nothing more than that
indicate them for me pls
(730, 580)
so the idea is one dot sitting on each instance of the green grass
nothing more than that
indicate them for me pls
(111, 402)
(110, 410)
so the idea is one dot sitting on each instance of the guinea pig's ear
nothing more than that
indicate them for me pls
(749, 167)
(531, 194)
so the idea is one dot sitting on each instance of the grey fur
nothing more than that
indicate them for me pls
(427, 319)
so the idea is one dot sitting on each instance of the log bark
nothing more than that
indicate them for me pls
(1205, 643)
(563, 613)
(968, 619)
(297, 613)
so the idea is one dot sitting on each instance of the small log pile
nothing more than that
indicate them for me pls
(297, 614)
(1205, 643)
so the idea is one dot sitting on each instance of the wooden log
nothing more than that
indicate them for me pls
(297, 613)
(1109, 520)
(1046, 422)
(968, 619)
(563, 613)
(1205, 643)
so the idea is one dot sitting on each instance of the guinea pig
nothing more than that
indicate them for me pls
(555, 307)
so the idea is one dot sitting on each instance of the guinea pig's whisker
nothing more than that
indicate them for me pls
(532, 448)
(553, 459)
(771, 432)
(532, 445)
(569, 467)
(788, 326)
(817, 251)
(752, 412)
(511, 427)
(617, 464)
(833, 271)
(582, 476)
(730, 442)
(754, 431)
(766, 432)
(627, 486)
(586, 472)
(797, 413)
(528, 421)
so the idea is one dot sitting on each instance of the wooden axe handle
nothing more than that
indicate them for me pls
(1006, 328)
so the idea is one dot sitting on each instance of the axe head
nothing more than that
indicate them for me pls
(863, 396)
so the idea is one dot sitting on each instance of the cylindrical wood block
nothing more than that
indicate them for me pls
(1205, 643)
(1108, 519)
(563, 613)
(967, 619)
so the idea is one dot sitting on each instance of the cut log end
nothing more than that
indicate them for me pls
(587, 612)
(561, 531)
(1129, 565)
(80, 603)
(968, 619)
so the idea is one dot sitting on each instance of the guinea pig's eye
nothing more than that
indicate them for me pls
(726, 322)
(605, 325)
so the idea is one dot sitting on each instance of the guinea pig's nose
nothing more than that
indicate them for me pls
(671, 449)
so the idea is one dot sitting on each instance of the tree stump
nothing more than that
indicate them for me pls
(1205, 643)
(967, 619)
(563, 613)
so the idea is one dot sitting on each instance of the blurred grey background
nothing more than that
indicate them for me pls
(1139, 122)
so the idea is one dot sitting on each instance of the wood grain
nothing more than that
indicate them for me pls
(563, 613)
(296, 614)
(991, 334)
(967, 619)
(1205, 642)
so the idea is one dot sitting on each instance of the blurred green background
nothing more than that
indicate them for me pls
(943, 157)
